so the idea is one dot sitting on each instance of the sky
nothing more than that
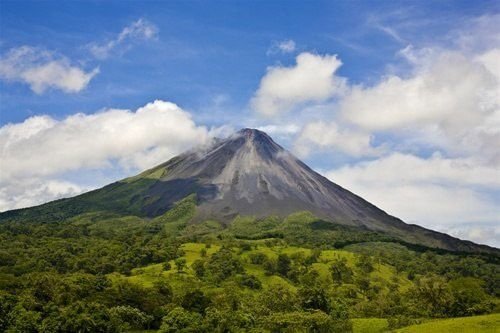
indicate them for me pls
(397, 101)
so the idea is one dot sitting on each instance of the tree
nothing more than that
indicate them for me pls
(339, 312)
(314, 297)
(283, 264)
(198, 267)
(7, 303)
(223, 264)
(180, 263)
(22, 320)
(269, 266)
(128, 318)
(163, 289)
(180, 320)
(313, 257)
(341, 273)
(365, 264)
(432, 296)
(86, 317)
(257, 258)
(469, 298)
(250, 281)
(226, 320)
(279, 298)
(314, 321)
(195, 301)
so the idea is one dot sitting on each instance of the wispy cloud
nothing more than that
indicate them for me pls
(42, 70)
(138, 30)
(284, 46)
(391, 32)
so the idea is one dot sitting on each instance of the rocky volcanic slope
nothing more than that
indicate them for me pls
(245, 174)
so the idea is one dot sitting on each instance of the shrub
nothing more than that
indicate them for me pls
(251, 282)
(257, 258)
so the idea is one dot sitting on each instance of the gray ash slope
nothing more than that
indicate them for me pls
(245, 174)
(250, 174)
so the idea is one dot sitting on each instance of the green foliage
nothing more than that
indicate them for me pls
(195, 301)
(223, 264)
(198, 267)
(341, 272)
(469, 298)
(257, 258)
(283, 264)
(180, 263)
(250, 281)
(180, 320)
(127, 318)
(104, 272)
(365, 264)
(314, 321)
(314, 297)
(279, 298)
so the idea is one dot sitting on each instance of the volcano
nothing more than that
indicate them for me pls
(246, 174)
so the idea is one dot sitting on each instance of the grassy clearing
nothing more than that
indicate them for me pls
(369, 325)
(147, 276)
(477, 324)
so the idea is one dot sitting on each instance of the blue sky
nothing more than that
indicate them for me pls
(205, 49)
(375, 95)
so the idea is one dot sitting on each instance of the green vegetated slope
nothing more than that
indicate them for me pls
(485, 323)
(104, 272)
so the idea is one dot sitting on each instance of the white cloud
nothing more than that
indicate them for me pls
(41, 70)
(438, 193)
(449, 102)
(20, 193)
(453, 91)
(284, 46)
(479, 233)
(398, 168)
(138, 30)
(42, 146)
(312, 79)
(443, 101)
(329, 136)
(285, 129)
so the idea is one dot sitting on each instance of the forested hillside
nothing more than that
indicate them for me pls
(102, 272)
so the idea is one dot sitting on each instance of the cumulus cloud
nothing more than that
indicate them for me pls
(329, 136)
(452, 91)
(312, 79)
(483, 233)
(450, 101)
(20, 193)
(42, 70)
(42, 146)
(138, 30)
(438, 192)
(426, 137)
